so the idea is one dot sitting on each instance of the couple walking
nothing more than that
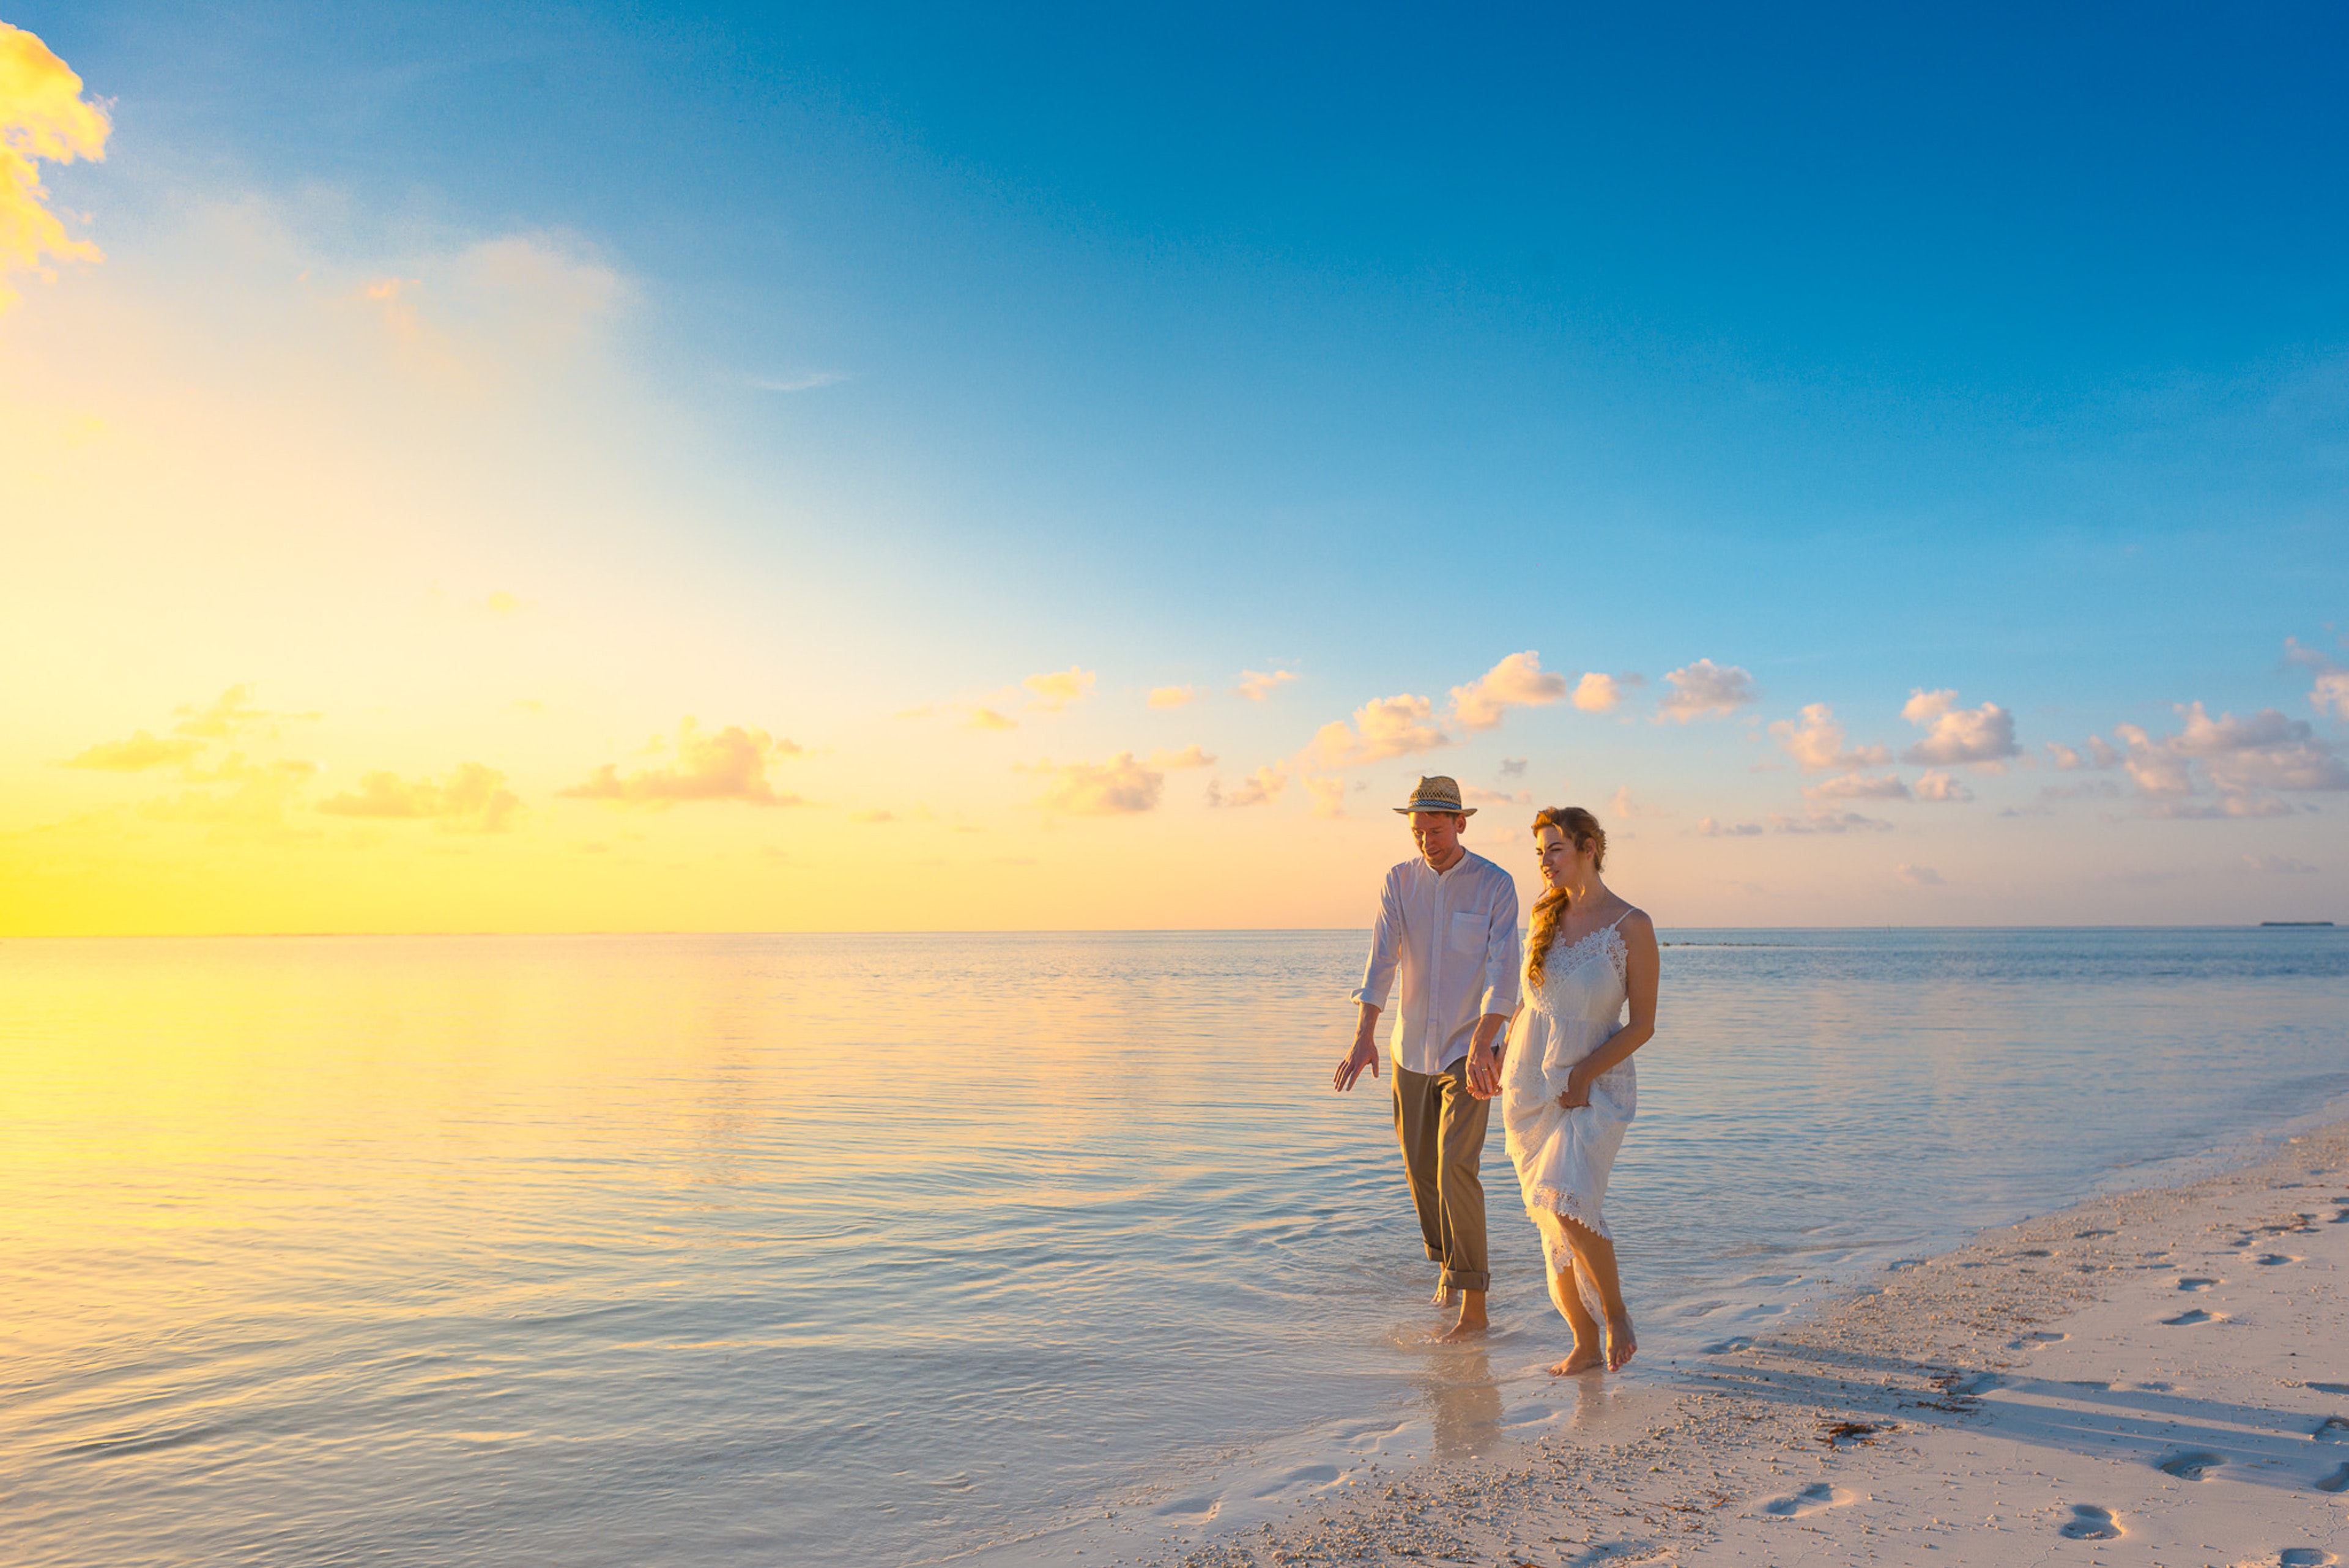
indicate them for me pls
(1555, 1049)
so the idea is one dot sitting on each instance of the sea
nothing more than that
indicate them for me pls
(864, 1249)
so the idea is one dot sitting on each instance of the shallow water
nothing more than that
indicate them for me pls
(868, 1249)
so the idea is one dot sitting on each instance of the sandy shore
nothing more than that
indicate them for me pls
(2159, 1376)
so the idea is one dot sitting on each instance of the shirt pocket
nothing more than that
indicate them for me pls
(1467, 932)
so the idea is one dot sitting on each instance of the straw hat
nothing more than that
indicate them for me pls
(1435, 793)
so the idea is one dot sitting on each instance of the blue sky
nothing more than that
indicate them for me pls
(1867, 351)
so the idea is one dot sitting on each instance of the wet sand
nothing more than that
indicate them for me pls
(2155, 1377)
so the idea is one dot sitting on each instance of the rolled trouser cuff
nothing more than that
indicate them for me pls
(1461, 1280)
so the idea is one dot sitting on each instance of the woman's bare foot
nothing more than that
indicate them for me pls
(1585, 1358)
(1622, 1344)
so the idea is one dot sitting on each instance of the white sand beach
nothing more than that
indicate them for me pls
(2155, 1377)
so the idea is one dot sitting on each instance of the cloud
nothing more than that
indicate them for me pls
(2277, 864)
(43, 117)
(254, 807)
(729, 766)
(1476, 797)
(872, 816)
(472, 798)
(1597, 693)
(1983, 735)
(1824, 819)
(1329, 796)
(1383, 727)
(1706, 690)
(1259, 788)
(1817, 743)
(1513, 767)
(137, 754)
(1256, 685)
(1118, 788)
(1517, 681)
(988, 719)
(1940, 786)
(1712, 829)
(2331, 693)
(1918, 875)
(2239, 757)
(231, 713)
(1624, 805)
(1058, 690)
(1190, 756)
(1173, 696)
(2225, 806)
(2065, 757)
(1859, 786)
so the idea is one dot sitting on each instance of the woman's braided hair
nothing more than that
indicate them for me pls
(1582, 831)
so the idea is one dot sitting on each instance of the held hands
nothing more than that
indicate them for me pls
(1365, 1053)
(1484, 1070)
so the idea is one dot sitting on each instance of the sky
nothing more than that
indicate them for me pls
(605, 467)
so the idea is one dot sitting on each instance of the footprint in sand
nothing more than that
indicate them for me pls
(2036, 1338)
(2270, 1259)
(1975, 1384)
(2089, 1522)
(2090, 1235)
(1725, 1346)
(2197, 1283)
(2192, 1465)
(1816, 1498)
(2332, 1429)
(2189, 1318)
(2338, 1482)
(2331, 1387)
(2300, 1557)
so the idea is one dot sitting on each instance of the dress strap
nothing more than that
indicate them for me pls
(1619, 919)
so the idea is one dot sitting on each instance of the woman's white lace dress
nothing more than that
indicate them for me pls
(1563, 1156)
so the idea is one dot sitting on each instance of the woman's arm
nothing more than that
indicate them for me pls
(1640, 966)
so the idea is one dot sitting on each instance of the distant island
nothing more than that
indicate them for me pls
(2295, 922)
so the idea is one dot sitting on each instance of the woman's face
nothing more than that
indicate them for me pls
(1558, 860)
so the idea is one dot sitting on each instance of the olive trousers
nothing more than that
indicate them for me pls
(1441, 1128)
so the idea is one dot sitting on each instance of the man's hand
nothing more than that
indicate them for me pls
(1365, 1053)
(1483, 1071)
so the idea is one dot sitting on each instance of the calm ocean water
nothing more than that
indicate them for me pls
(867, 1250)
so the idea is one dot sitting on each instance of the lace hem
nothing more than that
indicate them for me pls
(1542, 1197)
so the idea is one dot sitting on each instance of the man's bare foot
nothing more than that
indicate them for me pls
(1445, 1297)
(1622, 1346)
(1585, 1358)
(1466, 1328)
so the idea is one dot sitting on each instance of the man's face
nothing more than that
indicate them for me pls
(1437, 834)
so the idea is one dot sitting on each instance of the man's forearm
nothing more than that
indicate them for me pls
(1366, 1027)
(1488, 1029)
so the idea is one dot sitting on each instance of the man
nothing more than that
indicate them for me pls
(1448, 922)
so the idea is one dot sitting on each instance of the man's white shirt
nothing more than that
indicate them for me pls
(1452, 935)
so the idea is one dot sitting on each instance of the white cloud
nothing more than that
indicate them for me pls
(1707, 690)
(1476, 797)
(1383, 727)
(1597, 693)
(2065, 757)
(1058, 690)
(1625, 806)
(43, 117)
(1173, 696)
(1713, 829)
(472, 798)
(2277, 864)
(1983, 736)
(1329, 796)
(1118, 788)
(1817, 743)
(1858, 786)
(2237, 757)
(1190, 756)
(1825, 819)
(978, 718)
(1513, 767)
(731, 764)
(1517, 681)
(2331, 693)
(1941, 786)
(1256, 685)
(1918, 875)
(1259, 788)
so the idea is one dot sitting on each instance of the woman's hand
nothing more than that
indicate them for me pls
(1578, 1089)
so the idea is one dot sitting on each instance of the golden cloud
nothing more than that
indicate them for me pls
(230, 713)
(1256, 685)
(1173, 696)
(1383, 727)
(1190, 756)
(1057, 691)
(42, 116)
(1118, 788)
(137, 754)
(988, 719)
(729, 766)
(1329, 796)
(1517, 681)
(1259, 788)
(473, 798)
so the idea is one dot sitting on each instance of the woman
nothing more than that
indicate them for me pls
(1567, 1091)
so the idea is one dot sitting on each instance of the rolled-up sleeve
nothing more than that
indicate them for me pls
(1386, 946)
(1501, 947)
